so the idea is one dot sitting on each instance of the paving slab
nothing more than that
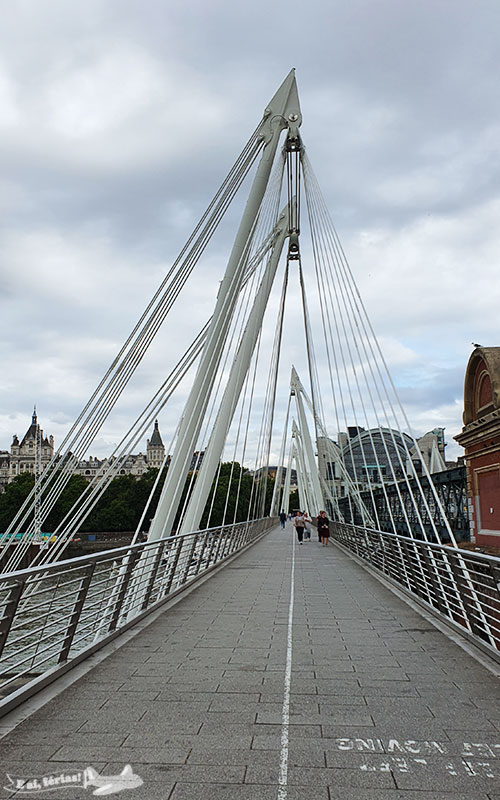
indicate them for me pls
(382, 705)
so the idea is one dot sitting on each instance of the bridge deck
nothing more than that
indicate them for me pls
(382, 705)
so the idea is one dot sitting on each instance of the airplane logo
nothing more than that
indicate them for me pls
(87, 778)
(111, 784)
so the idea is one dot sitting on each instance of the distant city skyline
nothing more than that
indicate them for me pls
(32, 452)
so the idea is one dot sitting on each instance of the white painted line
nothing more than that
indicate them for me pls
(285, 714)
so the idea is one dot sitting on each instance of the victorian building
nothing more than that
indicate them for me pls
(155, 449)
(480, 437)
(23, 455)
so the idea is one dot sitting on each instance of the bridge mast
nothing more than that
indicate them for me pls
(283, 112)
(316, 495)
(234, 385)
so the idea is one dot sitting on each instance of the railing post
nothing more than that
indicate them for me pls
(401, 558)
(437, 586)
(470, 601)
(171, 575)
(75, 614)
(223, 548)
(240, 538)
(243, 534)
(214, 540)
(495, 574)
(132, 561)
(152, 577)
(10, 608)
(411, 567)
(394, 563)
(189, 558)
(202, 553)
(219, 545)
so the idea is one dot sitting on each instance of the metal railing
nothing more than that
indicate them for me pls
(53, 616)
(459, 586)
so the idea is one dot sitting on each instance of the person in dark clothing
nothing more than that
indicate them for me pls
(282, 519)
(298, 524)
(323, 528)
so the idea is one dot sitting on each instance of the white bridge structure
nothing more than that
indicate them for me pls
(58, 610)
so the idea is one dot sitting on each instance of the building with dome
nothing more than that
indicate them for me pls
(370, 458)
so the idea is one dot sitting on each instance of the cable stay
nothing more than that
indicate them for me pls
(349, 440)
(332, 459)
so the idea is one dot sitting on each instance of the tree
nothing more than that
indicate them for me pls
(71, 493)
(121, 506)
(14, 496)
(294, 500)
(233, 483)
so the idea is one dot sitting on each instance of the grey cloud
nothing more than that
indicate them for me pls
(401, 117)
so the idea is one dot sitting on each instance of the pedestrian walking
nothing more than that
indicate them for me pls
(282, 518)
(298, 524)
(323, 528)
(307, 526)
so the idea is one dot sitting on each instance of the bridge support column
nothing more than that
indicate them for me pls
(235, 382)
(283, 112)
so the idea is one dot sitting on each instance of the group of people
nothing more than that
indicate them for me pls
(302, 525)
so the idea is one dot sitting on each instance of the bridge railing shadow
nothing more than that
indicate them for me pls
(54, 616)
(460, 587)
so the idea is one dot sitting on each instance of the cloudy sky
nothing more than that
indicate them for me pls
(119, 119)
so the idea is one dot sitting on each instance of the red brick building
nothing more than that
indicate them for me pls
(480, 437)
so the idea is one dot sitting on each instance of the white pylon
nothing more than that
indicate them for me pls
(282, 112)
(285, 503)
(237, 375)
(306, 495)
(275, 505)
(332, 451)
(316, 495)
(300, 471)
(37, 523)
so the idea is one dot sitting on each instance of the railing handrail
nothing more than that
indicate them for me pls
(53, 616)
(460, 587)
(102, 554)
(412, 540)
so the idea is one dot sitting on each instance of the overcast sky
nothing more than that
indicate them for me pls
(119, 119)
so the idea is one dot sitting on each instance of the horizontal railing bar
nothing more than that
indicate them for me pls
(456, 585)
(31, 659)
(70, 608)
(36, 644)
(108, 554)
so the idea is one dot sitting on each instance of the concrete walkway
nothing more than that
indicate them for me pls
(380, 705)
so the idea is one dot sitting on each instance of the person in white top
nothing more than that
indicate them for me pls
(307, 526)
(298, 524)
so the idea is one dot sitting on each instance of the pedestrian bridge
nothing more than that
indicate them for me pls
(228, 662)
(288, 672)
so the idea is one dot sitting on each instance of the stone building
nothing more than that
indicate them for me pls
(21, 458)
(431, 446)
(155, 449)
(4, 468)
(480, 437)
(133, 464)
